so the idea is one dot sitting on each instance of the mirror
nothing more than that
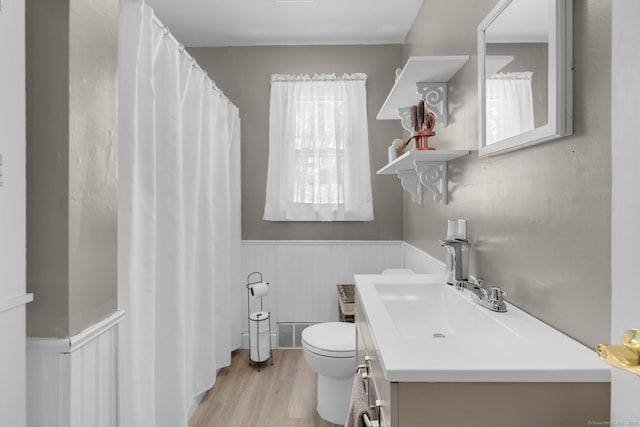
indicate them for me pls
(525, 82)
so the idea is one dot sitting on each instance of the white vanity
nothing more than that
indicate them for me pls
(436, 357)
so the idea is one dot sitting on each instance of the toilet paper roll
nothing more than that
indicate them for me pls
(259, 316)
(258, 289)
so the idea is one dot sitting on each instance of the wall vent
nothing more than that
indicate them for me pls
(290, 334)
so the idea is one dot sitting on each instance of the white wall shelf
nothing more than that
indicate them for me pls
(424, 76)
(428, 168)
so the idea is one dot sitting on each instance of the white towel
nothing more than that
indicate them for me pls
(359, 404)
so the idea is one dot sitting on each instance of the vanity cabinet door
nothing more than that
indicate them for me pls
(380, 388)
(457, 404)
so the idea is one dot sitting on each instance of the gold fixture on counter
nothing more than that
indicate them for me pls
(625, 356)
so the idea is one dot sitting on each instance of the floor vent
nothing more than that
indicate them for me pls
(290, 334)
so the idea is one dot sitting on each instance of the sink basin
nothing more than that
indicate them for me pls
(425, 330)
(435, 311)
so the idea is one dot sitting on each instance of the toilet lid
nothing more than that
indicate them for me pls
(337, 339)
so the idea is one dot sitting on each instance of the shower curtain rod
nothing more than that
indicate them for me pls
(184, 52)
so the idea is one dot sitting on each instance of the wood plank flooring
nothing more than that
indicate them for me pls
(280, 395)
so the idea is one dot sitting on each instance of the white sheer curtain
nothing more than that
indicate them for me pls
(318, 149)
(179, 232)
(509, 107)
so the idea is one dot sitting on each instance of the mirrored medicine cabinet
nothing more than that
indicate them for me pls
(525, 77)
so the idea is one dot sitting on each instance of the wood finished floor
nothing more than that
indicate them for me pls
(280, 395)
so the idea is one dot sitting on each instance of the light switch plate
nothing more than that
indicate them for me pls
(1, 172)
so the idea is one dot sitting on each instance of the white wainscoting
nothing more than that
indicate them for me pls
(303, 274)
(72, 382)
(421, 262)
(12, 360)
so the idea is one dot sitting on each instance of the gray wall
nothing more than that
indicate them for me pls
(538, 218)
(93, 92)
(71, 164)
(47, 39)
(244, 74)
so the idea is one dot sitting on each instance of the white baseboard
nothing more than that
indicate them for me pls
(72, 382)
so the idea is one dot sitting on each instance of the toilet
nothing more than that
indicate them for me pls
(330, 351)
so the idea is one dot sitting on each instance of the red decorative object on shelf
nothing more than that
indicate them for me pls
(424, 123)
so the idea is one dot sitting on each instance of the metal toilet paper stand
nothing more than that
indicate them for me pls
(259, 319)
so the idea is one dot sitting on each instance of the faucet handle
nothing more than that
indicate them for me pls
(497, 294)
(479, 282)
(495, 300)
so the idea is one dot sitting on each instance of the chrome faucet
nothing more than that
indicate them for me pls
(458, 275)
(493, 299)
(458, 267)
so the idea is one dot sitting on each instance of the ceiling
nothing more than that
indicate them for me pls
(287, 22)
(521, 21)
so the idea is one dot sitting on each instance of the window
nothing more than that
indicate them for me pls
(509, 107)
(318, 149)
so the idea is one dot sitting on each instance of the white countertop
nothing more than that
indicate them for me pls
(479, 345)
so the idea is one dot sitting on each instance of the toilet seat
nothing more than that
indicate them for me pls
(332, 339)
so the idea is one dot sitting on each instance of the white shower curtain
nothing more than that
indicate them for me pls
(179, 229)
(509, 107)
